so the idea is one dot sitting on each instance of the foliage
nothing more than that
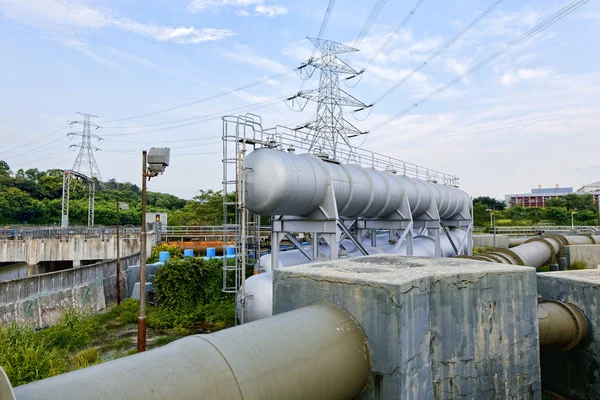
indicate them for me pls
(25, 357)
(174, 252)
(189, 290)
(128, 311)
(578, 264)
(161, 341)
(74, 332)
(85, 358)
(34, 197)
(490, 203)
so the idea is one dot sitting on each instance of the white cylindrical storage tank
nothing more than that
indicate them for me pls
(279, 183)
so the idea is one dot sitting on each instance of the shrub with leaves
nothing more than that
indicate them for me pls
(174, 252)
(74, 332)
(26, 357)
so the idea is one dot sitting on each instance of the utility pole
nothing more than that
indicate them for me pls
(118, 259)
(159, 159)
(330, 126)
(85, 162)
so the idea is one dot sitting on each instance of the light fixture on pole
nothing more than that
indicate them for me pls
(120, 206)
(573, 220)
(154, 163)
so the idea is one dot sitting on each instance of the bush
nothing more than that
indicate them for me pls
(161, 341)
(174, 251)
(189, 290)
(128, 311)
(26, 357)
(75, 331)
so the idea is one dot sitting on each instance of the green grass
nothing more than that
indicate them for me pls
(578, 264)
(161, 341)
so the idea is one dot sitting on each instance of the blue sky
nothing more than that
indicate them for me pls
(530, 118)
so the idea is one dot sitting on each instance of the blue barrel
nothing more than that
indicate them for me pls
(211, 252)
(163, 256)
(188, 253)
(230, 251)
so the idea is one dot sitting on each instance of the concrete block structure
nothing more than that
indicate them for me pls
(576, 373)
(436, 328)
(502, 241)
(590, 254)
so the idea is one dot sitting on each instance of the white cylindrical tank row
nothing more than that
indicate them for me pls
(279, 183)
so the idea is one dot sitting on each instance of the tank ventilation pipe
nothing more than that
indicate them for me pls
(310, 353)
(561, 325)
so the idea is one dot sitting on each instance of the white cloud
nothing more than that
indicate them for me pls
(520, 75)
(244, 54)
(270, 11)
(84, 49)
(63, 15)
(242, 7)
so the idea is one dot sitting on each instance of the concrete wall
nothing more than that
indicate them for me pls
(574, 374)
(436, 328)
(40, 300)
(590, 254)
(76, 249)
(488, 241)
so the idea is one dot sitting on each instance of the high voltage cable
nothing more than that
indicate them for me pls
(367, 26)
(164, 141)
(33, 141)
(398, 29)
(439, 51)
(515, 43)
(171, 147)
(191, 103)
(36, 149)
(42, 158)
(206, 118)
(326, 18)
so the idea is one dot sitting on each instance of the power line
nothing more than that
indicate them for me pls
(366, 27)
(401, 26)
(42, 158)
(205, 118)
(163, 141)
(36, 149)
(191, 103)
(33, 141)
(439, 51)
(515, 43)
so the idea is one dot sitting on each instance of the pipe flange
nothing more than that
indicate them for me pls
(512, 255)
(581, 324)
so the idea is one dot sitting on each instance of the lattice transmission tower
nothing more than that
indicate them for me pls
(85, 162)
(330, 126)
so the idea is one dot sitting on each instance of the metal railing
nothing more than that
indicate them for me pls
(207, 232)
(19, 233)
(533, 230)
(284, 138)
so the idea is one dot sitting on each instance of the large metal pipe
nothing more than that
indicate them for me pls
(316, 352)
(561, 325)
(279, 183)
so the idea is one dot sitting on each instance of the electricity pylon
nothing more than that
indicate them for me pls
(330, 126)
(85, 162)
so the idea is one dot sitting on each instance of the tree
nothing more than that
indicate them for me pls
(4, 169)
(490, 203)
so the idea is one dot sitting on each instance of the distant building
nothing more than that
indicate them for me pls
(538, 197)
(590, 188)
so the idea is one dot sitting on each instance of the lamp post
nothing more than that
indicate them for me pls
(154, 163)
(573, 221)
(492, 223)
(120, 206)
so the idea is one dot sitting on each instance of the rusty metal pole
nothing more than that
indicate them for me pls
(118, 259)
(141, 333)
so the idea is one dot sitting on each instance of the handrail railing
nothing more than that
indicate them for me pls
(19, 233)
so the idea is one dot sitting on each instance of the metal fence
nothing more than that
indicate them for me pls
(533, 230)
(20, 233)
(206, 232)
